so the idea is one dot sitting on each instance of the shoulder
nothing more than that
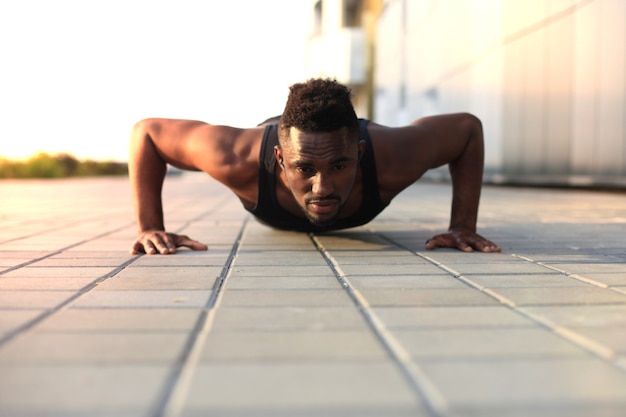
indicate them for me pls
(403, 154)
(399, 155)
(229, 154)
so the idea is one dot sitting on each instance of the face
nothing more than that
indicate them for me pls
(320, 169)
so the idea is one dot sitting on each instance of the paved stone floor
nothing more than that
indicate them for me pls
(363, 322)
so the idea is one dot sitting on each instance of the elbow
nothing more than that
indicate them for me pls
(472, 129)
(145, 127)
(143, 132)
(141, 140)
(471, 122)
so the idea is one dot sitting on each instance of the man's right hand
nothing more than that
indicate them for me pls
(160, 242)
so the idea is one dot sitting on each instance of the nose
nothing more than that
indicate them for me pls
(322, 185)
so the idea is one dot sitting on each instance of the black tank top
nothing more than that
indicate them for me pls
(268, 210)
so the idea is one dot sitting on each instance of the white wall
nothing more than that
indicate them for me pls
(545, 76)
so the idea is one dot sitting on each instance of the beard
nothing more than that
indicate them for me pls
(323, 222)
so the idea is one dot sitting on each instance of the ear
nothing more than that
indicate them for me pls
(278, 154)
(361, 148)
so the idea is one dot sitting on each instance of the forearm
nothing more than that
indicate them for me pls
(467, 174)
(147, 172)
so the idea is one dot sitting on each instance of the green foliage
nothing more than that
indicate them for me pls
(43, 165)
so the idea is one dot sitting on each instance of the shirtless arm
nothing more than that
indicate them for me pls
(465, 156)
(147, 167)
(452, 139)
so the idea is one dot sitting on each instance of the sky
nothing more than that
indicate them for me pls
(75, 75)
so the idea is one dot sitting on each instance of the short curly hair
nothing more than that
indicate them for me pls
(319, 105)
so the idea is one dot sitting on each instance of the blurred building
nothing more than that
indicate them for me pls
(342, 45)
(546, 77)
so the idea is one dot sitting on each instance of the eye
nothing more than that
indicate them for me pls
(339, 167)
(307, 171)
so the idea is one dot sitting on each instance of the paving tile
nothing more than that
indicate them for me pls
(390, 269)
(147, 299)
(621, 290)
(443, 317)
(283, 283)
(562, 295)
(289, 346)
(611, 279)
(49, 283)
(93, 348)
(354, 239)
(119, 320)
(570, 382)
(584, 268)
(542, 410)
(613, 337)
(571, 258)
(452, 257)
(525, 280)
(70, 390)
(280, 270)
(389, 255)
(301, 385)
(317, 410)
(170, 271)
(13, 319)
(286, 340)
(495, 343)
(286, 298)
(406, 281)
(164, 278)
(499, 268)
(28, 300)
(582, 315)
(9, 258)
(54, 272)
(301, 258)
(247, 318)
(260, 237)
(212, 257)
(427, 297)
(83, 259)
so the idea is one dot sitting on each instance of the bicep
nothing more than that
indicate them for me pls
(179, 142)
(404, 154)
(442, 139)
(223, 152)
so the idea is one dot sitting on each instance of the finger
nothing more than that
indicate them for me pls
(191, 244)
(484, 245)
(464, 246)
(488, 246)
(440, 241)
(136, 248)
(149, 248)
(164, 243)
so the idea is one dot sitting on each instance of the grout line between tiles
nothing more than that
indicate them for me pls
(172, 400)
(577, 277)
(596, 348)
(433, 399)
(73, 223)
(58, 251)
(47, 313)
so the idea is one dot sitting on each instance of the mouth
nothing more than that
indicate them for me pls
(325, 206)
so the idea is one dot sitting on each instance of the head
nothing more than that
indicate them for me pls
(319, 147)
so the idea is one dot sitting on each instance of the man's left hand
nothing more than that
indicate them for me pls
(462, 239)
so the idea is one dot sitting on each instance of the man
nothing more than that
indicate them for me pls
(319, 169)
